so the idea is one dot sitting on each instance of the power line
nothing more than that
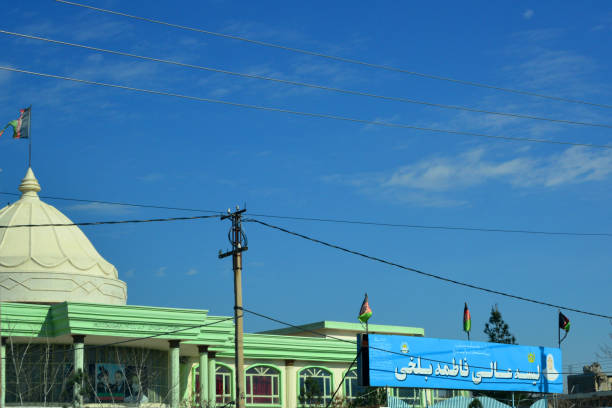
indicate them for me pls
(309, 85)
(80, 224)
(306, 114)
(434, 227)
(431, 275)
(119, 203)
(90, 347)
(327, 336)
(342, 221)
(342, 59)
(331, 400)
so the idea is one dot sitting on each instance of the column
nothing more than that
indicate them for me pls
(78, 345)
(186, 365)
(203, 383)
(212, 366)
(174, 373)
(290, 384)
(3, 373)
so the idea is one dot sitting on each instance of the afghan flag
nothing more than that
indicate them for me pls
(467, 319)
(365, 312)
(564, 322)
(21, 125)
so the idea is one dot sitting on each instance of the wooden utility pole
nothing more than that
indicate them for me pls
(239, 245)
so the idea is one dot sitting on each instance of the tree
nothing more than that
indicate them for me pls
(311, 393)
(497, 329)
(475, 403)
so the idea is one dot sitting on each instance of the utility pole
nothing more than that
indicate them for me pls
(239, 244)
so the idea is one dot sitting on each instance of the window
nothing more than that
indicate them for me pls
(223, 384)
(352, 388)
(409, 395)
(262, 385)
(315, 386)
(441, 395)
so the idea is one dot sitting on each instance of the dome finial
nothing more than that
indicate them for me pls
(29, 185)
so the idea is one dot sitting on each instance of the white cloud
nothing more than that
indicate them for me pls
(426, 182)
(130, 273)
(192, 271)
(161, 272)
(527, 14)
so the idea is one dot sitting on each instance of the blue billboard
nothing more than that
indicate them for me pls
(419, 362)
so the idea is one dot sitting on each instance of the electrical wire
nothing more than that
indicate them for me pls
(341, 59)
(331, 400)
(309, 85)
(341, 221)
(307, 114)
(430, 275)
(118, 203)
(327, 336)
(434, 227)
(95, 346)
(80, 224)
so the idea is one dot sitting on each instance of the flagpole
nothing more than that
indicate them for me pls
(559, 329)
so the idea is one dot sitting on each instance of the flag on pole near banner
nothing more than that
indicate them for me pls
(21, 125)
(467, 319)
(564, 322)
(365, 312)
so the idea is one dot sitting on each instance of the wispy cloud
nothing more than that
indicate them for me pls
(427, 182)
(130, 273)
(541, 61)
(192, 271)
(99, 208)
(528, 14)
(152, 177)
(161, 272)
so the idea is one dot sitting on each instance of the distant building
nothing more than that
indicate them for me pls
(591, 380)
(68, 335)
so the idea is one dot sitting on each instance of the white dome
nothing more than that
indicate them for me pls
(50, 264)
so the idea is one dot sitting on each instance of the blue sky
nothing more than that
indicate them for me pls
(108, 144)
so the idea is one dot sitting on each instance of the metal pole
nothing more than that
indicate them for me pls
(239, 244)
(30, 139)
(558, 329)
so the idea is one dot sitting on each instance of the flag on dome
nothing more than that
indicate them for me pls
(564, 322)
(365, 312)
(467, 319)
(21, 125)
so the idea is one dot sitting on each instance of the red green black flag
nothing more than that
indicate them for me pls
(365, 312)
(467, 319)
(21, 125)
(564, 322)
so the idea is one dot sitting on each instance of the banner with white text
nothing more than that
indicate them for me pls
(419, 362)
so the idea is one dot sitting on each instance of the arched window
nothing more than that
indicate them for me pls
(352, 388)
(223, 382)
(315, 386)
(262, 385)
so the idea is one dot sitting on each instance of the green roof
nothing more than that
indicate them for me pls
(349, 327)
